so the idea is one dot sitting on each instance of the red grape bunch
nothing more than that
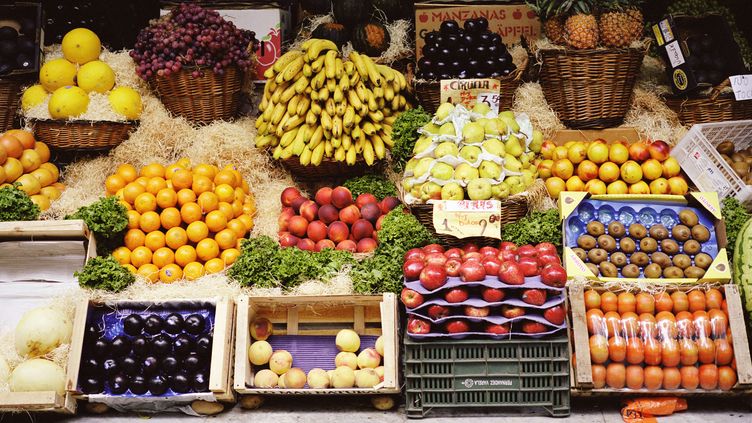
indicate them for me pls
(194, 38)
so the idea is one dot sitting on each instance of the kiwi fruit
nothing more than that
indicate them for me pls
(627, 245)
(608, 270)
(726, 147)
(637, 231)
(619, 259)
(630, 271)
(607, 242)
(639, 258)
(692, 247)
(673, 272)
(694, 272)
(616, 229)
(586, 242)
(653, 270)
(658, 232)
(688, 217)
(669, 246)
(737, 157)
(597, 255)
(593, 268)
(703, 260)
(680, 233)
(648, 245)
(661, 259)
(741, 168)
(700, 233)
(581, 254)
(596, 228)
(682, 261)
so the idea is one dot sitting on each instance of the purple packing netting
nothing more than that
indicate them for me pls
(489, 282)
(477, 302)
(309, 352)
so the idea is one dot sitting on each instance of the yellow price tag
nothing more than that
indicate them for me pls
(468, 218)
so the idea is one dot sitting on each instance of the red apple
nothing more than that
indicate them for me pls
(371, 212)
(472, 271)
(306, 244)
(349, 214)
(366, 198)
(433, 276)
(546, 259)
(453, 253)
(476, 311)
(338, 231)
(508, 246)
(497, 329)
(317, 231)
(341, 197)
(436, 258)
(529, 266)
(533, 327)
(437, 312)
(491, 265)
(348, 245)
(507, 255)
(456, 295)
(473, 255)
(288, 195)
(555, 315)
(412, 268)
(324, 244)
(415, 253)
(309, 210)
(328, 213)
(366, 245)
(418, 326)
(492, 295)
(510, 312)
(546, 248)
(489, 251)
(527, 251)
(323, 196)
(298, 226)
(457, 326)
(511, 274)
(388, 204)
(296, 203)
(411, 298)
(470, 248)
(433, 248)
(554, 275)
(452, 267)
(534, 296)
(361, 229)
(287, 239)
(659, 150)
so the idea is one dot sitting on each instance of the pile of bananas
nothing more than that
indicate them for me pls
(317, 105)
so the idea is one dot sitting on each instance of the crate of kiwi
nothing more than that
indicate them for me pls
(661, 238)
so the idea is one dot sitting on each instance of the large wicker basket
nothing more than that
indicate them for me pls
(10, 94)
(705, 109)
(201, 100)
(81, 135)
(428, 93)
(329, 169)
(589, 88)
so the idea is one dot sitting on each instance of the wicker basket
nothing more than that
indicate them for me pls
(329, 169)
(10, 95)
(428, 93)
(81, 135)
(693, 110)
(589, 88)
(200, 100)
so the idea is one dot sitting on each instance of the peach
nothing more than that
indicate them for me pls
(328, 213)
(366, 245)
(575, 184)
(618, 153)
(298, 226)
(547, 150)
(659, 150)
(577, 152)
(288, 195)
(678, 185)
(366, 198)
(369, 358)
(380, 371)
(318, 379)
(617, 187)
(371, 212)
(587, 170)
(259, 353)
(671, 167)
(347, 340)
(349, 214)
(280, 362)
(284, 218)
(324, 244)
(309, 210)
(343, 377)
(544, 168)
(379, 221)
(341, 197)
(652, 169)
(598, 152)
(317, 231)
(348, 245)
(563, 169)
(265, 379)
(555, 185)
(638, 152)
(338, 231)
(631, 172)
(345, 358)
(287, 239)
(323, 196)
(306, 244)
(261, 329)
(560, 152)
(380, 345)
(595, 187)
(640, 187)
(389, 203)
(660, 186)
(361, 229)
(367, 378)
(608, 172)
(295, 378)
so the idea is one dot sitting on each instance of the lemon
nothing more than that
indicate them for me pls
(67, 102)
(126, 101)
(96, 76)
(57, 73)
(34, 95)
(81, 46)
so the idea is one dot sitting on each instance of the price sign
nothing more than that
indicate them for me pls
(492, 99)
(469, 91)
(468, 218)
(742, 85)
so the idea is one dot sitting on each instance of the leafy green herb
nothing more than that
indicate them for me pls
(377, 185)
(15, 205)
(105, 273)
(108, 219)
(735, 215)
(258, 256)
(535, 228)
(404, 135)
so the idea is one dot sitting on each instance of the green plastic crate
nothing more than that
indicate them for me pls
(474, 374)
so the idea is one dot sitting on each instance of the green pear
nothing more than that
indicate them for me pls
(422, 144)
(500, 191)
(528, 177)
(511, 123)
(508, 114)
(516, 189)
(448, 129)
(410, 166)
(444, 110)
(430, 191)
(489, 125)
(473, 133)
(513, 181)
(494, 146)
(466, 173)
(479, 189)
(431, 128)
(512, 164)
(452, 191)
(416, 191)
(447, 148)
(537, 142)
(407, 184)
(525, 160)
(501, 126)
(442, 171)
(481, 108)
(489, 169)
(513, 146)
(470, 153)
(422, 167)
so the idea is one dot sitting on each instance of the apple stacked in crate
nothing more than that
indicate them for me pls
(472, 154)
(488, 292)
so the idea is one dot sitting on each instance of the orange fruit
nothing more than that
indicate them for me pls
(671, 378)
(626, 302)
(46, 178)
(113, 183)
(193, 270)
(154, 240)
(609, 302)
(663, 302)
(615, 375)
(214, 265)
(149, 272)
(713, 299)
(708, 376)
(53, 170)
(13, 147)
(635, 351)
(227, 210)
(598, 349)
(170, 218)
(237, 208)
(238, 227)
(181, 178)
(634, 377)
(244, 186)
(145, 202)
(239, 195)
(131, 191)
(50, 192)
(226, 238)
(208, 202)
(697, 301)
(130, 268)
(201, 184)
(226, 177)
(122, 255)
(644, 303)
(25, 137)
(127, 172)
(142, 180)
(190, 212)
(186, 196)
(133, 217)
(723, 352)
(652, 352)
(134, 238)
(207, 249)
(197, 231)
(171, 169)
(225, 193)
(247, 221)
(204, 169)
(617, 348)
(690, 377)
(681, 301)
(153, 169)
(140, 256)
(149, 221)
(595, 321)
(176, 237)
(230, 255)
(170, 273)
(155, 184)
(163, 257)
(726, 378)
(216, 221)
(599, 376)
(184, 255)
(166, 198)
(43, 150)
(653, 377)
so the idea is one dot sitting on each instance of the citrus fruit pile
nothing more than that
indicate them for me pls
(677, 340)
(25, 161)
(183, 221)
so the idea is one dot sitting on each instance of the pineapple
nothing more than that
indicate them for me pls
(581, 27)
(620, 24)
(553, 24)
(554, 29)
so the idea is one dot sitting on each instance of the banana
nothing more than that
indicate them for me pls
(378, 92)
(303, 105)
(381, 103)
(363, 110)
(369, 129)
(293, 122)
(323, 94)
(395, 103)
(307, 71)
(336, 142)
(388, 92)
(339, 154)
(293, 69)
(337, 127)
(315, 96)
(353, 99)
(311, 117)
(328, 149)
(286, 152)
(288, 93)
(359, 142)
(318, 64)
(351, 156)
(356, 132)
(292, 105)
(378, 146)
(307, 44)
(288, 137)
(308, 131)
(319, 80)
(402, 81)
(338, 96)
(372, 104)
(349, 68)
(359, 63)
(271, 85)
(279, 111)
(301, 84)
(305, 157)
(348, 118)
(331, 85)
(326, 121)
(368, 153)
(318, 47)
(387, 139)
(264, 141)
(277, 154)
(259, 121)
(331, 107)
(402, 102)
(285, 60)
(354, 79)
(361, 90)
(387, 129)
(316, 108)
(386, 72)
(269, 73)
(308, 90)
(339, 68)
(390, 120)
(318, 154)
(317, 137)
(298, 145)
(373, 74)
(277, 94)
(281, 127)
(376, 116)
(330, 64)
(344, 84)
(340, 108)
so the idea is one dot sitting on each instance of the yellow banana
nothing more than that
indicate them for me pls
(378, 146)
(323, 94)
(279, 111)
(269, 73)
(381, 103)
(363, 110)
(401, 78)
(317, 137)
(349, 68)
(339, 68)
(386, 72)
(337, 127)
(307, 71)
(376, 116)
(330, 64)
(336, 142)
(402, 102)
(359, 144)
(390, 120)
(303, 105)
(361, 90)
(316, 108)
(277, 154)
(259, 121)
(319, 46)
(308, 131)
(271, 85)
(373, 74)
(298, 145)
(311, 117)
(349, 117)
(337, 96)
(288, 137)
(369, 129)
(305, 157)
(354, 79)
(351, 156)
(318, 154)
(326, 121)
(277, 94)
(292, 105)
(318, 64)
(286, 152)
(314, 96)
(346, 141)
(288, 93)
(328, 149)
(264, 141)
(372, 104)
(356, 132)
(395, 103)
(359, 63)
(301, 84)
(293, 122)
(285, 60)
(378, 92)
(387, 139)
(307, 44)
(281, 127)
(331, 107)
(388, 92)
(331, 85)
(344, 84)
(339, 154)
(353, 99)
(293, 69)
(368, 153)
(387, 129)
(340, 108)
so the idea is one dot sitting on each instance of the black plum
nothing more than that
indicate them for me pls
(111, 367)
(120, 346)
(449, 27)
(173, 324)
(182, 345)
(204, 345)
(153, 324)
(101, 348)
(192, 362)
(91, 366)
(141, 346)
(92, 385)
(130, 366)
(118, 384)
(158, 385)
(150, 366)
(161, 345)
(133, 325)
(195, 324)
(169, 365)
(180, 383)
(200, 382)
(138, 385)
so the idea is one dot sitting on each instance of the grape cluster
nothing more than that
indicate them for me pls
(192, 37)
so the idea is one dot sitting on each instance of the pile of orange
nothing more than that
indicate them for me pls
(183, 221)
(677, 340)
(26, 161)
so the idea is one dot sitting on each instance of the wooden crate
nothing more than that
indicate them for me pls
(49, 230)
(611, 135)
(582, 377)
(367, 315)
(220, 374)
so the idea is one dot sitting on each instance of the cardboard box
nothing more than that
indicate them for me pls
(511, 21)
(563, 136)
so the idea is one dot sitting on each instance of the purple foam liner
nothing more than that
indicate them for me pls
(497, 320)
(477, 302)
(488, 282)
(309, 352)
(510, 335)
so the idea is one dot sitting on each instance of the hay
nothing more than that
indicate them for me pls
(538, 198)
(529, 99)
(210, 286)
(652, 118)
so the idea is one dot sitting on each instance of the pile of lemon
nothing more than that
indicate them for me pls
(72, 78)
(183, 221)
(26, 162)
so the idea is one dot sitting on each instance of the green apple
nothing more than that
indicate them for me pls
(512, 164)
(422, 167)
(479, 189)
(422, 144)
(430, 191)
(473, 133)
(431, 128)
(446, 148)
(537, 142)
(410, 166)
(448, 129)
(452, 191)
(442, 171)
(489, 169)
(481, 108)
(465, 173)
(513, 146)
(470, 153)
(495, 147)
(444, 110)
(500, 191)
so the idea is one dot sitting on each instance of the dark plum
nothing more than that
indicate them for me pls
(140, 346)
(485, 38)
(180, 383)
(139, 385)
(461, 53)
(101, 348)
(150, 366)
(493, 50)
(431, 37)
(481, 74)
(158, 385)
(468, 40)
(451, 40)
(173, 324)
(480, 52)
(130, 366)
(92, 385)
(425, 63)
(91, 366)
(161, 345)
(482, 23)
(200, 382)
(430, 51)
(449, 27)
(204, 345)
(490, 65)
(153, 324)
(439, 40)
(446, 76)
(169, 365)
(471, 25)
(120, 346)
(133, 325)
(497, 40)
(111, 367)
(473, 64)
(195, 324)
(440, 66)
(118, 384)
(444, 53)
(455, 66)
(192, 362)
(182, 345)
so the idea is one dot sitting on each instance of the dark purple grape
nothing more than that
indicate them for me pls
(169, 365)
(138, 385)
(180, 383)
(153, 324)
(446, 76)
(496, 74)
(101, 348)
(430, 51)
(462, 74)
(120, 346)
(92, 385)
(440, 66)
(445, 52)
(449, 27)
(161, 345)
(489, 65)
(158, 385)
(481, 75)
(133, 325)
(439, 40)
(182, 345)
(496, 39)
(450, 41)
(485, 38)
(111, 366)
(424, 63)
(480, 52)
(461, 53)
(195, 324)
(118, 385)
(430, 75)
(473, 65)
(493, 51)
(204, 346)
(468, 40)
(455, 66)
(200, 382)
(150, 366)
(130, 366)
(192, 362)
(507, 71)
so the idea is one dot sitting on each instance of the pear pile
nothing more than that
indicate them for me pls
(472, 154)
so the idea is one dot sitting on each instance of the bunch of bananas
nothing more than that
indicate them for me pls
(317, 105)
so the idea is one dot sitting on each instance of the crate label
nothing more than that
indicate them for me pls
(468, 218)
(491, 383)
(666, 32)
(468, 91)
(675, 54)
(742, 85)
(709, 175)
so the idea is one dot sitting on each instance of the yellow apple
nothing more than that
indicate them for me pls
(671, 168)
(598, 152)
(544, 168)
(595, 187)
(660, 186)
(617, 187)
(547, 149)
(678, 185)
(640, 187)
(577, 152)
(608, 172)
(560, 152)
(618, 153)
(631, 172)
(652, 169)
(563, 169)
(555, 185)
(587, 170)
(575, 184)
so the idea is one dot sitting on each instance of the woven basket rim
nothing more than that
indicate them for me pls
(187, 69)
(515, 75)
(82, 122)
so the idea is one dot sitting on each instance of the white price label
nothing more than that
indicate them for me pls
(742, 85)
(675, 54)
(492, 99)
